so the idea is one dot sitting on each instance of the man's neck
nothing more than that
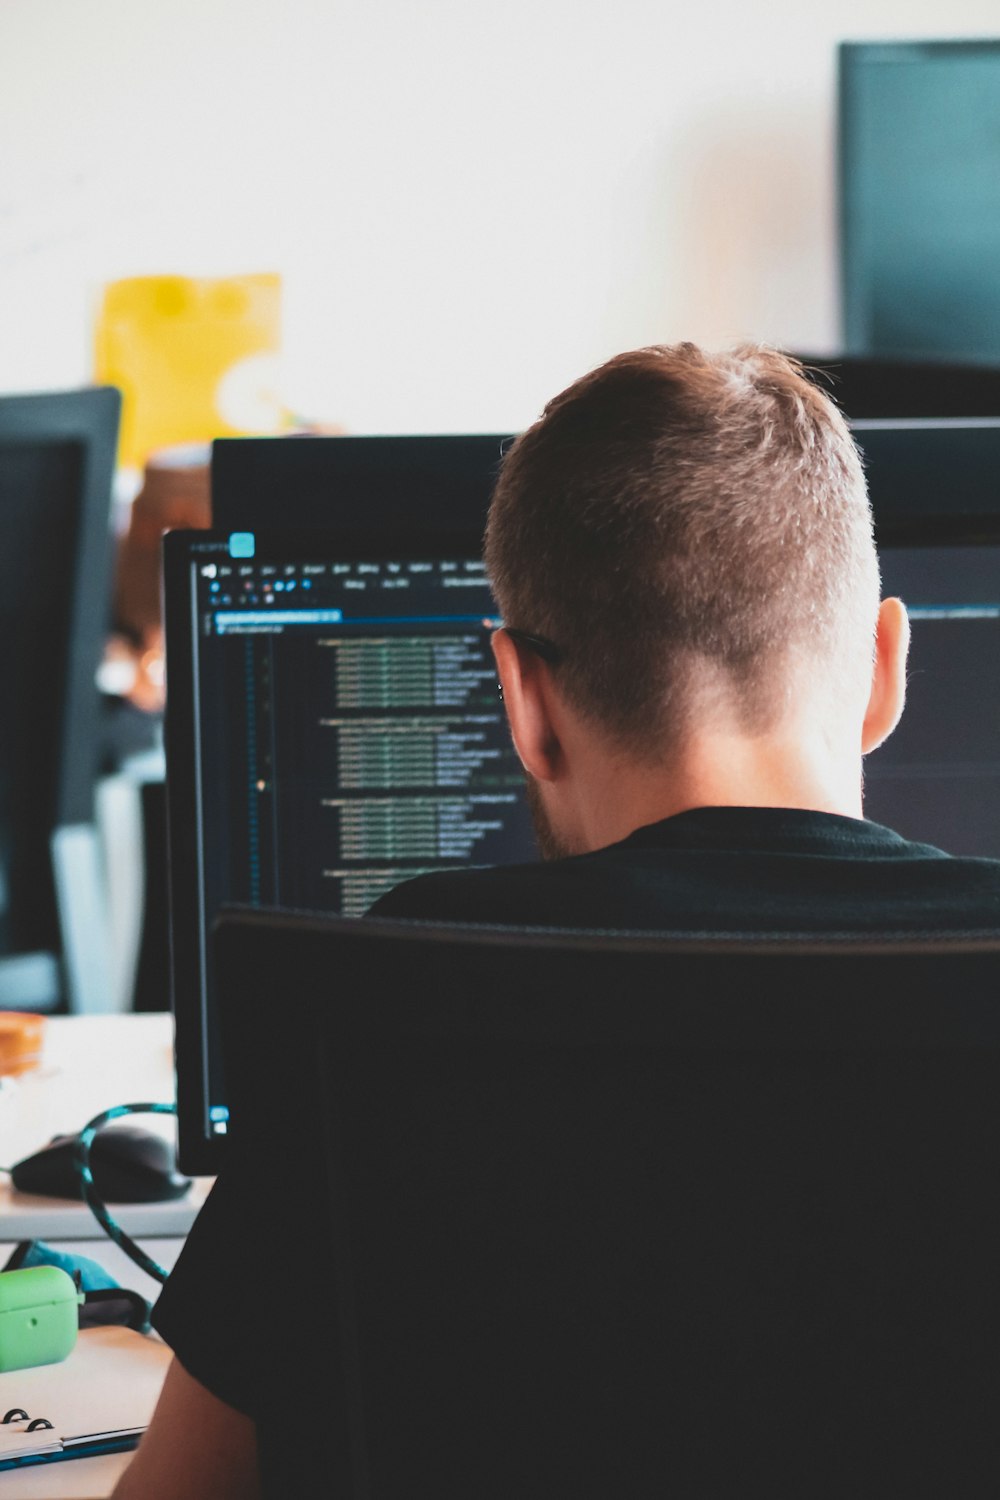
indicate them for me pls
(614, 795)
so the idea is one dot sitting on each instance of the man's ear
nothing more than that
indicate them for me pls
(885, 704)
(527, 697)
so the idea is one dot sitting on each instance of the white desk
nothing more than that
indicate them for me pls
(90, 1063)
(113, 1375)
(76, 1479)
(93, 1479)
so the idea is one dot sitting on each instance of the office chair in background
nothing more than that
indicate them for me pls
(602, 1215)
(57, 455)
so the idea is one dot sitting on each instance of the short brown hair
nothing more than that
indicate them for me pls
(676, 506)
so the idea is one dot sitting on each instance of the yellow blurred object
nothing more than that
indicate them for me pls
(194, 357)
(21, 1038)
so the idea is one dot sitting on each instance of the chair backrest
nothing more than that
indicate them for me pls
(607, 1214)
(57, 454)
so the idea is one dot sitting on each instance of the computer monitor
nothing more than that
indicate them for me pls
(408, 483)
(930, 472)
(920, 198)
(937, 778)
(333, 727)
(57, 454)
(935, 489)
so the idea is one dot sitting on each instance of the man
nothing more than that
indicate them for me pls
(696, 661)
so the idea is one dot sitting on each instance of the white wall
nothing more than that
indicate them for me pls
(470, 203)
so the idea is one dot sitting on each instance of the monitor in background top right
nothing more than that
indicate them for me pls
(935, 489)
(919, 198)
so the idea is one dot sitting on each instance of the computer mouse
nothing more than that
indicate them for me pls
(129, 1165)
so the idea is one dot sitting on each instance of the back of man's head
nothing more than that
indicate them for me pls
(689, 528)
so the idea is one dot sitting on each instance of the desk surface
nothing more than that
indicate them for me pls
(75, 1479)
(113, 1376)
(90, 1063)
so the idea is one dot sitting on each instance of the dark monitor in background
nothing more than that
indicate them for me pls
(920, 467)
(57, 456)
(333, 728)
(937, 778)
(926, 470)
(935, 488)
(920, 198)
(866, 386)
(433, 484)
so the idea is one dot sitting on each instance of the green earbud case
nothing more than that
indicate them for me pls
(38, 1317)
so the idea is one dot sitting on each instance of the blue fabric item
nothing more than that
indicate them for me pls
(28, 1253)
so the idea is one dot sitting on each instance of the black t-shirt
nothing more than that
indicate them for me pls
(725, 869)
(710, 870)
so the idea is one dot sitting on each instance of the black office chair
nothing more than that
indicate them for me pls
(57, 455)
(608, 1215)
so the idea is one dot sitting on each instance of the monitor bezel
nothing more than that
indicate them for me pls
(199, 1152)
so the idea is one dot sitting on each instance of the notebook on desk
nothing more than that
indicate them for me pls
(99, 1400)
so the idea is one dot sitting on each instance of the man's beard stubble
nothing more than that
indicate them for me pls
(550, 846)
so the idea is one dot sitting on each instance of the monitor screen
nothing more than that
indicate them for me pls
(920, 198)
(57, 453)
(40, 498)
(937, 778)
(931, 474)
(333, 728)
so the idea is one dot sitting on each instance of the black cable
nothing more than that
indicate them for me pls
(110, 1226)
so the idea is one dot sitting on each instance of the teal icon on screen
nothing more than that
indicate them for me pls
(241, 544)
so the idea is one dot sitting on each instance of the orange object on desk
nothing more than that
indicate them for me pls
(21, 1039)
